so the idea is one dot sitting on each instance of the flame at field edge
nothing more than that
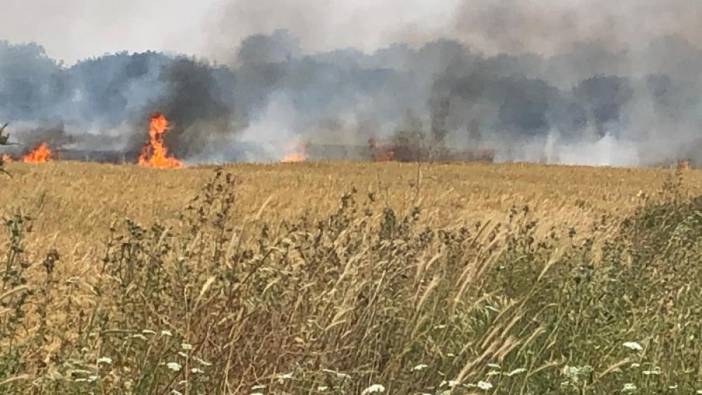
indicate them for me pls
(40, 154)
(155, 153)
(297, 153)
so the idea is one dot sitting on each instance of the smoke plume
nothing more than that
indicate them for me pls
(555, 81)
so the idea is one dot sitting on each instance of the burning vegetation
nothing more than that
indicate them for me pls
(41, 154)
(404, 150)
(297, 153)
(155, 154)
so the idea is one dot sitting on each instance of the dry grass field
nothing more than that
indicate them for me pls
(74, 203)
(349, 278)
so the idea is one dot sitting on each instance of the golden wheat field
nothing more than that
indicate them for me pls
(73, 204)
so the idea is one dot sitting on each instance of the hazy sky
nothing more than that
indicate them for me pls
(74, 29)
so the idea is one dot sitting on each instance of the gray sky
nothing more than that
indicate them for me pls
(75, 29)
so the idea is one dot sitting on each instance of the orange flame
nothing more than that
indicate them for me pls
(40, 154)
(155, 154)
(297, 154)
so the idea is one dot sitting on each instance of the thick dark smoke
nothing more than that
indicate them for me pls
(588, 102)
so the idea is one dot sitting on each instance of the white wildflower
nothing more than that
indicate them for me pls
(699, 392)
(516, 372)
(322, 388)
(186, 346)
(633, 346)
(484, 385)
(452, 383)
(197, 371)
(629, 387)
(575, 372)
(673, 387)
(340, 375)
(653, 372)
(105, 360)
(174, 366)
(174, 392)
(202, 361)
(373, 389)
(166, 333)
(635, 365)
(419, 367)
(285, 376)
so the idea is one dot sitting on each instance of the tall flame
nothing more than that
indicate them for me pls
(155, 154)
(40, 154)
(296, 154)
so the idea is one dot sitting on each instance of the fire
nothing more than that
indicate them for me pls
(297, 154)
(155, 154)
(382, 153)
(40, 154)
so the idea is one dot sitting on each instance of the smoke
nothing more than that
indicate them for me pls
(546, 27)
(554, 81)
(551, 26)
(72, 30)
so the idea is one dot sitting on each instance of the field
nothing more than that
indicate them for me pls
(75, 203)
(350, 278)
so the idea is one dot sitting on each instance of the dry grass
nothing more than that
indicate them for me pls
(345, 277)
(75, 203)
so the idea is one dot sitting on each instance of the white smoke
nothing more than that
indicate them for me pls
(595, 88)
